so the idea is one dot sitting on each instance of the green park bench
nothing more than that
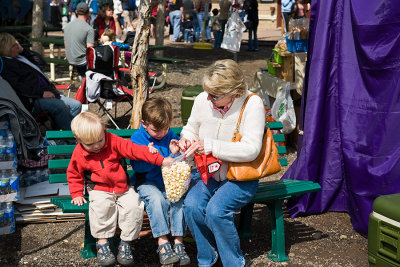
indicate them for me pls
(271, 192)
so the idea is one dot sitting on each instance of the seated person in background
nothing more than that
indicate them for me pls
(108, 38)
(165, 217)
(32, 86)
(106, 19)
(111, 199)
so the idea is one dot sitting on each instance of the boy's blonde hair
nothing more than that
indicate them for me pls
(158, 112)
(108, 36)
(87, 127)
(224, 77)
(7, 41)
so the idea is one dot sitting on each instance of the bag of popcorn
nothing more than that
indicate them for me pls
(176, 179)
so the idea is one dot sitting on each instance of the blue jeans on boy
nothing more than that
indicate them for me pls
(217, 38)
(187, 35)
(209, 212)
(163, 214)
(62, 110)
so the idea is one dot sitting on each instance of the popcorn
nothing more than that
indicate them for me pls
(176, 180)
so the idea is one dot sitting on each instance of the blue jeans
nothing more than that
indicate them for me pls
(253, 43)
(200, 17)
(187, 35)
(163, 214)
(209, 212)
(62, 110)
(217, 38)
(223, 22)
(175, 17)
(196, 28)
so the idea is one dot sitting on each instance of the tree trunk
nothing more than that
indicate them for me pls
(37, 25)
(160, 22)
(139, 74)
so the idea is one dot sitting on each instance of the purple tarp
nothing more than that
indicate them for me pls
(350, 110)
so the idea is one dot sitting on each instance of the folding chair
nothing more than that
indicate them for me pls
(102, 63)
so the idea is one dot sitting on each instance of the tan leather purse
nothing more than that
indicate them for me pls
(265, 164)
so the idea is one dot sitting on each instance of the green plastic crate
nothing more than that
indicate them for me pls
(278, 58)
(187, 100)
(384, 232)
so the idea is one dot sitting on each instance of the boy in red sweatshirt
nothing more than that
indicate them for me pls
(111, 199)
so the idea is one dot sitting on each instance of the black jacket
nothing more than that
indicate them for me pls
(25, 80)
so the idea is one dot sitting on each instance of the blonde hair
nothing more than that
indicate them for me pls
(87, 127)
(224, 77)
(108, 36)
(7, 41)
(158, 112)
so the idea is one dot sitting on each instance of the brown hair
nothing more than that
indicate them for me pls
(103, 9)
(158, 112)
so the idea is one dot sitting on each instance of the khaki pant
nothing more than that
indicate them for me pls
(108, 209)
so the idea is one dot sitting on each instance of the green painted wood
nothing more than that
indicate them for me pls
(58, 163)
(279, 137)
(60, 150)
(59, 61)
(283, 162)
(275, 125)
(58, 178)
(281, 149)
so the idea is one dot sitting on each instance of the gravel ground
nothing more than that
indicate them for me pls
(318, 240)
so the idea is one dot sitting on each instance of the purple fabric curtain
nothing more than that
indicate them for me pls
(350, 112)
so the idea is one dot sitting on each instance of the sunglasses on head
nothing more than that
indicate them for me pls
(216, 98)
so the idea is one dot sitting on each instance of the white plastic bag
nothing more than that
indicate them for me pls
(282, 110)
(176, 179)
(233, 33)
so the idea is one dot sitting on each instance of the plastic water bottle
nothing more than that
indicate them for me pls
(4, 183)
(1, 217)
(2, 148)
(14, 181)
(8, 214)
(10, 148)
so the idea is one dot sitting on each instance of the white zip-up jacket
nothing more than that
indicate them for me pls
(208, 124)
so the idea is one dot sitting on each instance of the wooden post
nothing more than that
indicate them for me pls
(139, 72)
(160, 22)
(37, 25)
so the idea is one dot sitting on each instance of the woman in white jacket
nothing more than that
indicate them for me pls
(209, 208)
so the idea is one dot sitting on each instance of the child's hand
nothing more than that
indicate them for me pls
(174, 146)
(168, 161)
(152, 149)
(78, 201)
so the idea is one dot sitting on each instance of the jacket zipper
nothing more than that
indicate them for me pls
(219, 128)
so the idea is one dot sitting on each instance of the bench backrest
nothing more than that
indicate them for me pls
(58, 166)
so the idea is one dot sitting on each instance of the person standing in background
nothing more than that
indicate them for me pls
(251, 9)
(224, 7)
(203, 8)
(286, 12)
(94, 10)
(175, 16)
(78, 35)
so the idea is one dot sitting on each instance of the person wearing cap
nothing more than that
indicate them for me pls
(79, 35)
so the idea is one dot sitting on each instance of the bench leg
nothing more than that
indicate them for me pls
(277, 232)
(246, 215)
(89, 245)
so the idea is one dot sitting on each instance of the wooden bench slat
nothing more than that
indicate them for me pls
(283, 162)
(281, 149)
(59, 163)
(167, 60)
(279, 137)
(60, 150)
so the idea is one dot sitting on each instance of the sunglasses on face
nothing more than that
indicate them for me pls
(216, 98)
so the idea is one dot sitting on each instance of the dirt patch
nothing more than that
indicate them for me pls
(318, 240)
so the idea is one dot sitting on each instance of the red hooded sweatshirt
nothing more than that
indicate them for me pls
(106, 171)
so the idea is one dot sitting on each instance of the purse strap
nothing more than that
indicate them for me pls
(241, 113)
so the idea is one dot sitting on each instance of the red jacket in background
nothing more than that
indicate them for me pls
(106, 171)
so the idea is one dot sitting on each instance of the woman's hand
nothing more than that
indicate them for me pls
(115, 16)
(78, 201)
(197, 147)
(184, 144)
(174, 146)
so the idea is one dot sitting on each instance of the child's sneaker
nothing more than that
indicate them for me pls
(104, 254)
(124, 254)
(179, 249)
